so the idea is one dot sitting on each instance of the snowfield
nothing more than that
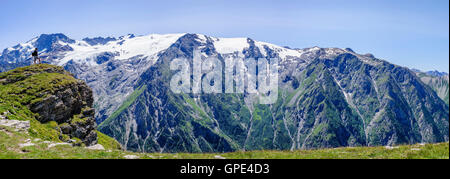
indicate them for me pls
(112, 66)
(125, 48)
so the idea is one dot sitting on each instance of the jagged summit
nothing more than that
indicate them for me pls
(111, 66)
(81, 51)
(329, 97)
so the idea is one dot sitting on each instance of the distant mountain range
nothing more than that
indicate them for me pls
(434, 73)
(438, 81)
(328, 97)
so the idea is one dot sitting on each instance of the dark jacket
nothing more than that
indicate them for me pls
(35, 53)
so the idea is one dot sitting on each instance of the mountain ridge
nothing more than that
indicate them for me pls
(23, 137)
(374, 102)
(20, 55)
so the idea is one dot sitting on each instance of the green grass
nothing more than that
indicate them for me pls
(10, 149)
(107, 142)
(204, 117)
(24, 86)
(21, 87)
(130, 99)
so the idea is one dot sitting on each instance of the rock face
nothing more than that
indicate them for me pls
(328, 97)
(53, 94)
(83, 129)
(438, 81)
(64, 102)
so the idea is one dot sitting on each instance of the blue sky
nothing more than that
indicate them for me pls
(412, 33)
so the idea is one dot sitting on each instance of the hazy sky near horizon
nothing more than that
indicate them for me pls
(411, 33)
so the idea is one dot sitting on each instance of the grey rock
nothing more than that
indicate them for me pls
(21, 126)
(51, 145)
(96, 147)
(131, 157)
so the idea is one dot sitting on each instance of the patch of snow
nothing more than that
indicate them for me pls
(230, 45)
(314, 49)
(282, 51)
(334, 51)
(125, 48)
(26, 45)
(202, 38)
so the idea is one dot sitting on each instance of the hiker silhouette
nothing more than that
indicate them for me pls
(36, 56)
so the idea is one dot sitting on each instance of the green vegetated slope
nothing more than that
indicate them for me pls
(347, 100)
(10, 149)
(32, 87)
(24, 86)
(47, 147)
(130, 99)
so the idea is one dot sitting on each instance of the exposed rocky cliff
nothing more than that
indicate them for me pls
(48, 93)
(328, 97)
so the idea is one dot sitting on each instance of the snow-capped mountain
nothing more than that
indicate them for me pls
(111, 66)
(329, 97)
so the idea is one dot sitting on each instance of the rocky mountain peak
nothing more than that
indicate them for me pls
(99, 40)
(329, 97)
(47, 42)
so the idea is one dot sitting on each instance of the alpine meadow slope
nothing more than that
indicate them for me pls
(46, 103)
(328, 97)
(27, 132)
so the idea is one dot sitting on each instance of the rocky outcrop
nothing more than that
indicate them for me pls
(20, 126)
(82, 127)
(64, 102)
(53, 94)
